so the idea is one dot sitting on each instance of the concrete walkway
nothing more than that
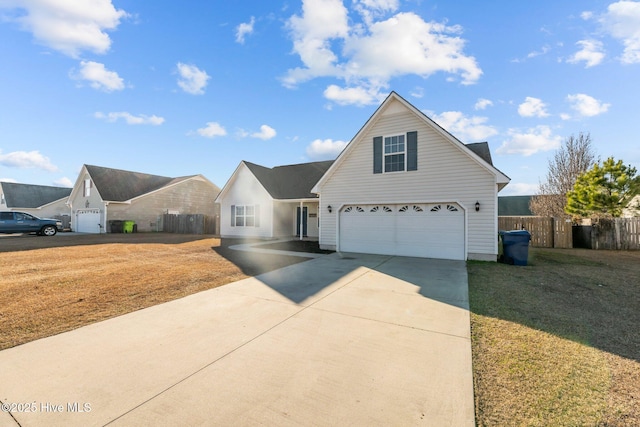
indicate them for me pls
(337, 340)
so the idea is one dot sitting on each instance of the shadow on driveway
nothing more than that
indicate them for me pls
(434, 279)
(254, 263)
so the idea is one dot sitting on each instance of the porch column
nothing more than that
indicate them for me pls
(301, 220)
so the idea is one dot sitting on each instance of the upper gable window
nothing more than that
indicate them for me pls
(396, 153)
(87, 187)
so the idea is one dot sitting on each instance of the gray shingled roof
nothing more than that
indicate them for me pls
(482, 150)
(32, 196)
(290, 181)
(117, 185)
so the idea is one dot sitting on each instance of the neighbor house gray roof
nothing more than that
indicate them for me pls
(117, 185)
(290, 181)
(32, 196)
(482, 150)
(514, 206)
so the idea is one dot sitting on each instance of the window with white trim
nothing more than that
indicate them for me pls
(394, 153)
(245, 216)
(87, 187)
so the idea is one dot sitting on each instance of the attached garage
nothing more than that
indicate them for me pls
(87, 221)
(427, 230)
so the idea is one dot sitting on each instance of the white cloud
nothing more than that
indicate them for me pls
(537, 139)
(244, 29)
(591, 53)
(466, 129)
(130, 118)
(520, 189)
(266, 132)
(371, 9)
(98, 76)
(27, 160)
(543, 51)
(192, 79)
(63, 182)
(532, 107)
(68, 26)
(325, 149)
(367, 55)
(417, 92)
(482, 104)
(8, 180)
(212, 130)
(586, 15)
(352, 95)
(586, 105)
(622, 21)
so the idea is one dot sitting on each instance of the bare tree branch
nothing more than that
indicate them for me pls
(573, 158)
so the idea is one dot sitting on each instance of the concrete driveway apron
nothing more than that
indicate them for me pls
(344, 339)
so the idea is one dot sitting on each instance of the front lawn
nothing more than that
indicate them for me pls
(77, 280)
(557, 342)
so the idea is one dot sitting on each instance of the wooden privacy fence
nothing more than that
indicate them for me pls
(616, 233)
(189, 224)
(545, 232)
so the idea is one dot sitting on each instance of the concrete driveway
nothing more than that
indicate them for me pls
(338, 340)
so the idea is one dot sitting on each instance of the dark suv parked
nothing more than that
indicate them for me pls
(21, 222)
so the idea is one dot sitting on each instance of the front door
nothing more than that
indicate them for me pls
(304, 221)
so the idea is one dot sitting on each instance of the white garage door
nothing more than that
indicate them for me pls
(421, 230)
(88, 221)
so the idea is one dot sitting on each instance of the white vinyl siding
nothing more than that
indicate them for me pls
(246, 190)
(444, 172)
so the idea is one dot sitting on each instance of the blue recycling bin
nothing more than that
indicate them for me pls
(515, 246)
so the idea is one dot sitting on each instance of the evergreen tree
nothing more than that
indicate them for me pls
(604, 190)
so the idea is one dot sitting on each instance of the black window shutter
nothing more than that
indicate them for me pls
(233, 215)
(377, 154)
(256, 212)
(412, 151)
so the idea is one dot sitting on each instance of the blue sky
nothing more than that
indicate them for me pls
(181, 88)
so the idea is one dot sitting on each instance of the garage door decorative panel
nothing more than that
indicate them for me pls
(420, 230)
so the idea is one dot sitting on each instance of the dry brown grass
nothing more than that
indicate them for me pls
(47, 291)
(556, 342)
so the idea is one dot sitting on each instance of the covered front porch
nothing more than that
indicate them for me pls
(297, 218)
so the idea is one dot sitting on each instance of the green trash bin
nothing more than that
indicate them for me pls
(127, 226)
